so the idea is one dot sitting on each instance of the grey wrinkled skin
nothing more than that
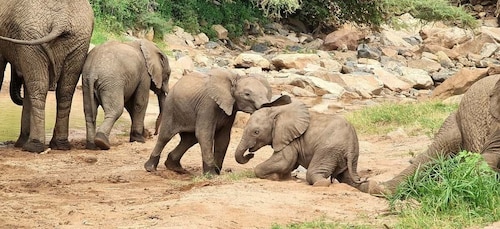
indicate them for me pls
(201, 108)
(327, 146)
(119, 75)
(46, 41)
(473, 127)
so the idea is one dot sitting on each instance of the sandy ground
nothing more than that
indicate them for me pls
(110, 189)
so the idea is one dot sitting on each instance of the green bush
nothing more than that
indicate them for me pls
(453, 192)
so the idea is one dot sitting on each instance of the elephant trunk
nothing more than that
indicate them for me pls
(161, 100)
(240, 153)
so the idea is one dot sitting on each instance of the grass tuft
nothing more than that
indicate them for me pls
(457, 192)
(419, 118)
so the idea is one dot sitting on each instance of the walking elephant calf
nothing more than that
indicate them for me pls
(118, 75)
(327, 146)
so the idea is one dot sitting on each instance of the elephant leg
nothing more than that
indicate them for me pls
(64, 95)
(205, 132)
(491, 151)
(324, 165)
(25, 121)
(112, 104)
(90, 109)
(173, 161)
(166, 133)
(137, 110)
(221, 142)
(448, 141)
(37, 86)
(279, 166)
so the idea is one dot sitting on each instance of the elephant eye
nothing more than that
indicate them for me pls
(256, 132)
(247, 94)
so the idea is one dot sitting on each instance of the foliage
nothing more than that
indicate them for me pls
(274, 8)
(430, 10)
(451, 193)
(424, 117)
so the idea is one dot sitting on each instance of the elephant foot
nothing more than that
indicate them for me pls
(322, 183)
(34, 146)
(175, 166)
(374, 188)
(102, 141)
(21, 140)
(152, 163)
(136, 137)
(211, 169)
(60, 144)
(91, 146)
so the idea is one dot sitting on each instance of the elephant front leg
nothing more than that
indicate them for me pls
(279, 166)
(222, 138)
(25, 123)
(491, 151)
(205, 132)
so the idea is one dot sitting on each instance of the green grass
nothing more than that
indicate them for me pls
(418, 118)
(321, 223)
(460, 192)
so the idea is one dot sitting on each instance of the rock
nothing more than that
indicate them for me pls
(460, 82)
(259, 47)
(364, 51)
(301, 92)
(488, 49)
(442, 75)
(397, 134)
(455, 99)
(391, 37)
(445, 37)
(220, 31)
(365, 84)
(247, 60)
(418, 78)
(200, 39)
(436, 48)
(390, 80)
(444, 60)
(428, 65)
(347, 36)
(297, 60)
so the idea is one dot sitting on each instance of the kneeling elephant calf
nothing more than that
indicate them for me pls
(326, 145)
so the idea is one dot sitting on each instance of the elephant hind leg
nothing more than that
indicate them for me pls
(166, 133)
(448, 141)
(173, 161)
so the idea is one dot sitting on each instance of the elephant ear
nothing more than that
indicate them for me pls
(290, 122)
(155, 62)
(220, 86)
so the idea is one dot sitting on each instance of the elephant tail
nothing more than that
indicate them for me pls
(352, 166)
(49, 37)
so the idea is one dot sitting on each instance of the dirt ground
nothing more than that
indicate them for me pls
(110, 189)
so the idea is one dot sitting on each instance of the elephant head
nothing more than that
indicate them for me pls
(276, 125)
(159, 71)
(246, 93)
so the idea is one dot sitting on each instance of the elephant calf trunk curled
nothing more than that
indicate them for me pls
(326, 145)
(119, 75)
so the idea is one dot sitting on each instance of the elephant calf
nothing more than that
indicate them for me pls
(326, 145)
(118, 75)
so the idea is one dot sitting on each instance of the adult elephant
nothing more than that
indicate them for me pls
(474, 127)
(47, 41)
(119, 75)
(202, 108)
